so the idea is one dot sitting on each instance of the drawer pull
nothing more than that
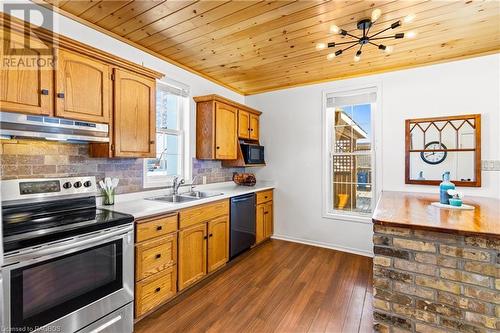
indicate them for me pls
(45, 92)
(158, 228)
(265, 197)
(60, 95)
(157, 289)
(266, 212)
(158, 256)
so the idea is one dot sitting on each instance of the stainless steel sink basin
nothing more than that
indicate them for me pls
(173, 198)
(201, 194)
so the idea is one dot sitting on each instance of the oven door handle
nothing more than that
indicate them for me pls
(74, 245)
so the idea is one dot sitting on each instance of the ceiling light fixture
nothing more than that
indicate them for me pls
(365, 25)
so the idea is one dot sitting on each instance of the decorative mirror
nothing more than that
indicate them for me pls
(436, 145)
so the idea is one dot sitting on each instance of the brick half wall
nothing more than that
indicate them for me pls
(433, 282)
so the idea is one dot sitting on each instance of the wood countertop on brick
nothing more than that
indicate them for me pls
(414, 210)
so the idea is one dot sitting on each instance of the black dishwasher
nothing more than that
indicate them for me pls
(242, 224)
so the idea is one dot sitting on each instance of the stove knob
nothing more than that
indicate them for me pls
(77, 184)
(88, 183)
(67, 185)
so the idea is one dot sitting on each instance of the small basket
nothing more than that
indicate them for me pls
(245, 179)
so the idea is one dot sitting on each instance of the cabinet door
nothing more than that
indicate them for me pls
(226, 137)
(254, 126)
(218, 242)
(192, 250)
(25, 89)
(82, 88)
(134, 115)
(268, 219)
(243, 124)
(259, 223)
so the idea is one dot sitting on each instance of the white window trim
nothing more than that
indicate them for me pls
(185, 164)
(376, 123)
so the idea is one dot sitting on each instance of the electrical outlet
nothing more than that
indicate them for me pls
(204, 180)
(490, 165)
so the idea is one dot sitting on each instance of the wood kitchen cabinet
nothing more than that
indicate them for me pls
(264, 216)
(219, 124)
(203, 241)
(134, 118)
(25, 89)
(192, 254)
(82, 88)
(254, 127)
(155, 262)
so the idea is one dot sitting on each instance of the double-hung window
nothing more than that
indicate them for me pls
(350, 161)
(172, 112)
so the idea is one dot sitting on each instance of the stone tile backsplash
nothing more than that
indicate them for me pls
(43, 159)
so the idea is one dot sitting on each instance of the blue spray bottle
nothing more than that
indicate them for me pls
(445, 185)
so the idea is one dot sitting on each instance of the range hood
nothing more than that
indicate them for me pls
(51, 128)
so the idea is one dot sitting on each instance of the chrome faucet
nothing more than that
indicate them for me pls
(193, 185)
(176, 184)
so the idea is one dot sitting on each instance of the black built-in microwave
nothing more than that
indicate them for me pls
(252, 153)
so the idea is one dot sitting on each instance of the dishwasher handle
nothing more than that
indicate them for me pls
(242, 197)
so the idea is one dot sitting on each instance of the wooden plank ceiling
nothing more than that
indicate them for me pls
(257, 46)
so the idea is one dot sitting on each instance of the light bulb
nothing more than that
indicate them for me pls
(334, 29)
(411, 34)
(320, 46)
(330, 56)
(376, 14)
(389, 49)
(357, 57)
(409, 18)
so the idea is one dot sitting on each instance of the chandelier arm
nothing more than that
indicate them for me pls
(386, 37)
(350, 35)
(381, 31)
(349, 47)
(343, 43)
(377, 45)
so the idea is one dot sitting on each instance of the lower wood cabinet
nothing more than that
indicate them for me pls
(264, 216)
(192, 254)
(155, 262)
(155, 290)
(203, 247)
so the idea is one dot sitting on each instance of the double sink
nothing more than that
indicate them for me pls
(185, 197)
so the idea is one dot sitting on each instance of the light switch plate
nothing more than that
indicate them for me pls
(490, 165)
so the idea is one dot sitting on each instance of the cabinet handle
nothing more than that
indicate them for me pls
(60, 95)
(151, 142)
(158, 256)
(266, 213)
(210, 235)
(44, 92)
(157, 289)
(251, 130)
(205, 237)
(218, 147)
(158, 228)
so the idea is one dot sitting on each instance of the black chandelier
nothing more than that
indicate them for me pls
(365, 25)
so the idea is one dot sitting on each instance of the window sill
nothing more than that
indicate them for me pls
(348, 218)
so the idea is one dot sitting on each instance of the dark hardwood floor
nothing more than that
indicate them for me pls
(277, 287)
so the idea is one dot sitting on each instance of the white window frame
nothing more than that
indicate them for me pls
(327, 129)
(183, 135)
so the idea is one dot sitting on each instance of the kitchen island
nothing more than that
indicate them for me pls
(435, 269)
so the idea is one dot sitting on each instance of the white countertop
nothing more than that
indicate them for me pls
(135, 203)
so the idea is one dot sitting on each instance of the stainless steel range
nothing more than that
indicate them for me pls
(68, 267)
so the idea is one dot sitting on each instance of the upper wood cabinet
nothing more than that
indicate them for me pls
(134, 115)
(254, 127)
(25, 89)
(219, 124)
(82, 88)
(243, 124)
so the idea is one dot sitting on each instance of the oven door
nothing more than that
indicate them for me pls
(65, 286)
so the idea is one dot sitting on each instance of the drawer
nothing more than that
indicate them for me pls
(156, 289)
(155, 227)
(264, 196)
(203, 213)
(155, 255)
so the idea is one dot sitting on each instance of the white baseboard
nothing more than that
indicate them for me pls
(324, 245)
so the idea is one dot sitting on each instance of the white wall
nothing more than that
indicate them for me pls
(292, 133)
(82, 33)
